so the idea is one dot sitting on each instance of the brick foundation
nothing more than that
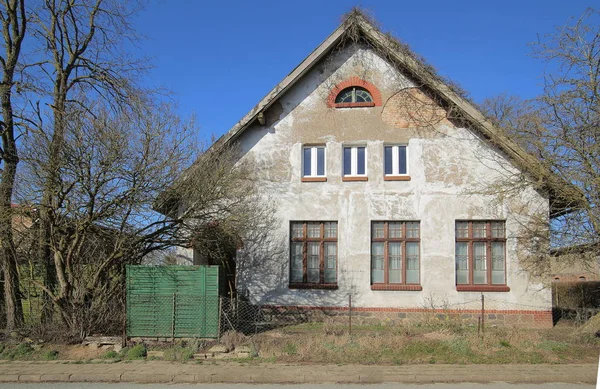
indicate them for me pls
(373, 315)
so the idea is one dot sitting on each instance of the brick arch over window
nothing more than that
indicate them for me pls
(354, 81)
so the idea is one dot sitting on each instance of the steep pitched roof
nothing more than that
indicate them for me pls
(357, 27)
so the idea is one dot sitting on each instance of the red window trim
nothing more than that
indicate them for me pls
(482, 288)
(299, 285)
(354, 81)
(400, 287)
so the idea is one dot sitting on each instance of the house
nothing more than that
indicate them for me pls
(385, 183)
(575, 263)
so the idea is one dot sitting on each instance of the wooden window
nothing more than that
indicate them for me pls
(480, 256)
(395, 163)
(395, 255)
(313, 163)
(355, 163)
(313, 255)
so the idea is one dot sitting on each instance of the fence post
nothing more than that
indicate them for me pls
(220, 313)
(482, 314)
(173, 320)
(350, 314)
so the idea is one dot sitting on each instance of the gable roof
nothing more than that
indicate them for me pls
(357, 26)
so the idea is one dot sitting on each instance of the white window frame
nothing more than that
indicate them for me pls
(395, 163)
(354, 161)
(314, 161)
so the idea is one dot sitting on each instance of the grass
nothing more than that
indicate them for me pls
(178, 354)
(425, 343)
(136, 352)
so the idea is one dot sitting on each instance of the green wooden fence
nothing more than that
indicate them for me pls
(173, 301)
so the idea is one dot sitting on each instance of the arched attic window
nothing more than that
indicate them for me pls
(354, 92)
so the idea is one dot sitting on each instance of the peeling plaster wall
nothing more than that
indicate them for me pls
(450, 169)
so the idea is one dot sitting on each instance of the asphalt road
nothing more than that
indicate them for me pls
(499, 385)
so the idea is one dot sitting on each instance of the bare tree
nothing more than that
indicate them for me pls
(14, 27)
(562, 125)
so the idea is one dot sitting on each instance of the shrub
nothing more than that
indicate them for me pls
(136, 352)
(50, 355)
(111, 354)
(22, 352)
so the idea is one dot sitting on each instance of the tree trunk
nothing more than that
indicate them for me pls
(14, 310)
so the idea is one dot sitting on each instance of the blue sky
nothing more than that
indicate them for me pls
(221, 57)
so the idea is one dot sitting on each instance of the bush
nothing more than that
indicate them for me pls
(50, 355)
(136, 352)
(110, 355)
(23, 351)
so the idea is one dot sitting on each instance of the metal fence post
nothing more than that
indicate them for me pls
(173, 319)
(482, 314)
(350, 314)
(220, 313)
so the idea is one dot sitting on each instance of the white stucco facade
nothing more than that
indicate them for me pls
(451, 169)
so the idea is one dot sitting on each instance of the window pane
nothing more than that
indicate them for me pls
(321, 161)
(498, 264)
(388, 159)
(395, 229)
(377, 262)
(360, 163)
(297, 230)
(412, 262)
(307, 160)
(313, 230)
(313, 249)
(331, 229)
(362, 96)
(497, 229)
(378, 230)
(330, 262)
(347, 160)
(345, 96)
(395, 262)
(479, 230)
(296, 273)
(479, 263)
(462, 263)
(462, 229)
(401, 159)
(412, 229)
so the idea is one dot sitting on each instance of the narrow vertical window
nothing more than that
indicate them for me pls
(313, 163)
(395, 255)
(313, 255)
(395, 162)
(355, 163)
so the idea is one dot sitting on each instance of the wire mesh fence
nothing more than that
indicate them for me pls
(482, 312)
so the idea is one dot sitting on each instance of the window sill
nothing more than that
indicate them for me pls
(353, 105)
(396, 178)
(482, 288)
(396, 287)
(312, 286)
(352, 178)
(314, 179)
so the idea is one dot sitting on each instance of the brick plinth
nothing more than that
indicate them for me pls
(375, 315)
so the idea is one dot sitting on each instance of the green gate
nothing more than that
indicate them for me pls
(173, 301)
